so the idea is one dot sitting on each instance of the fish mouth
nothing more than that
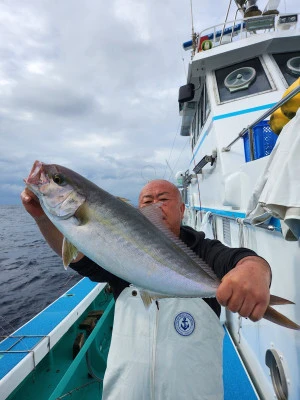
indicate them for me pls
(37, 175)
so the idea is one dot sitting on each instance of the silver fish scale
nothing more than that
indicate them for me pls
(143, 255)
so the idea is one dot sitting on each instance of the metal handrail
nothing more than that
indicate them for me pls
(265, 115)
(218, 30)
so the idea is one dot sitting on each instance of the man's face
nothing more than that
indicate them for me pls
(167, 194)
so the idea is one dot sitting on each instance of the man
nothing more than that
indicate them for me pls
(174, 349)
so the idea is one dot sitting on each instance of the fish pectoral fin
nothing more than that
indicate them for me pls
(280, 319)
(149, 297)
(69, 252)
(146, 298)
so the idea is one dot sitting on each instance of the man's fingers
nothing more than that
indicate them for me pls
(239, 299)
(223, 294)
(31, 203)
(239, 304)
(247, 308)
(27, 196)
(258, 312)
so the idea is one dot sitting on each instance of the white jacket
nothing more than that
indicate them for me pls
(171, 351)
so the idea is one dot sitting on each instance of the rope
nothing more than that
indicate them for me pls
(225, 21)
(77, 389)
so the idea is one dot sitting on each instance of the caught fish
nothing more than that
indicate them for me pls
(132, 244)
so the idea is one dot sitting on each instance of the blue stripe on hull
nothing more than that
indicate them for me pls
(246, 111)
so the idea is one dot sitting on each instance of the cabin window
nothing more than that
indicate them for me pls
(242, 80)
(202, 113)
(289, 65)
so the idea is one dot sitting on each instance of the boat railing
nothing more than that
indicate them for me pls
(17, 340)
(249, 129)
(239, 29)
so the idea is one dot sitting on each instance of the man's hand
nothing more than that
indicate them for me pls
(52, 235)
(245, 289)
(50, 232)
(31, 203)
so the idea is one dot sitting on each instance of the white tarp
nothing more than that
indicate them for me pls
(277, 192)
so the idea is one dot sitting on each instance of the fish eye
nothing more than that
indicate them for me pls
(58, 179)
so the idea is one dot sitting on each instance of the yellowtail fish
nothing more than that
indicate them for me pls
(130, 243)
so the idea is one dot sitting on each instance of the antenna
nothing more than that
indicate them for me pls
(194, 36)
(191, 2)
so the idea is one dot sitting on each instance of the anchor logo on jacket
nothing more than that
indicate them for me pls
(185, 324)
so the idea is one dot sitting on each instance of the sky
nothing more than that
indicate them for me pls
(93, 85)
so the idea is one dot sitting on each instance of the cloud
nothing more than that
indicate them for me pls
(93, 86)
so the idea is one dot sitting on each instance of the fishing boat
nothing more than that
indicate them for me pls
(241, 183)
(237, 77)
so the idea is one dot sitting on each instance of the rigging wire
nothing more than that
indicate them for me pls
(229, 5)
(172, 172)
(172, 148)
(183, 61)
(151, 176)
(182, 150)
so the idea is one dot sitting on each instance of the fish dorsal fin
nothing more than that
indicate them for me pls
(69, 252)
(154, 214)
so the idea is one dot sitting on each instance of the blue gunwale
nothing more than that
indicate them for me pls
(23, 341)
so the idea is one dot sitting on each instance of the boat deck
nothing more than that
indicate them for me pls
(49, 354)
(237, 383)
(38, 339)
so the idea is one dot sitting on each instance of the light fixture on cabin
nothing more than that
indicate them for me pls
(240, 79)
(293, 66)
(251, 9)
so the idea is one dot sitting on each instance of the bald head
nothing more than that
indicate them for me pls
(165, 186)
(164, 192)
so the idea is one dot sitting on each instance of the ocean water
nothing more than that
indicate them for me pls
(31, 274)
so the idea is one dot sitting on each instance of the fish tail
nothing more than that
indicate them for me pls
(278, 301)
(280, 319)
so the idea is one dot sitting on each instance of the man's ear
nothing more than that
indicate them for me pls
(182, 209)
